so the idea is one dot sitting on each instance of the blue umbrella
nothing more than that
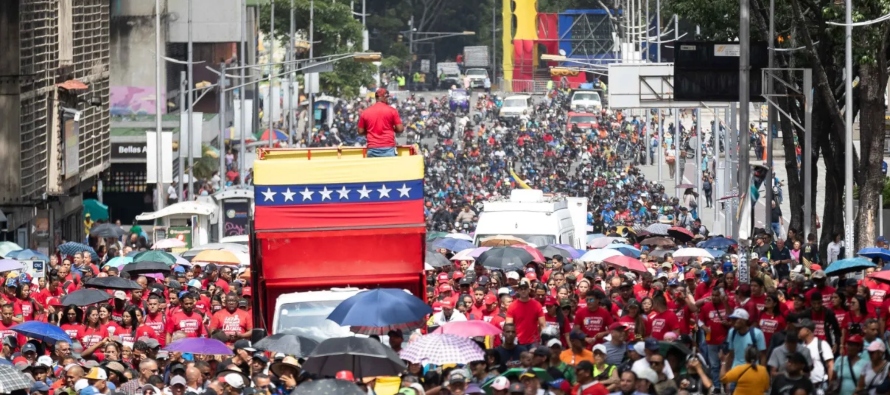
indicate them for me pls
(381, 310)
(23, 255)
(71, 248)
(715, 252)
(452, 244)
(575, 253)
(848, 265)
(594, 236)
(41, 331)
(875, 252)
(626, 250)
(719, 243)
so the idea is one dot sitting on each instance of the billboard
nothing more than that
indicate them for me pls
(236, 217)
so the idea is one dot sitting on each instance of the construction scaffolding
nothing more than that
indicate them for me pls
(91, 30)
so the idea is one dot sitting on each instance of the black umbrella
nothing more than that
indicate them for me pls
(106, 230)
(146, 267)
(550, 251)
(364, 357)
(658, 242)
(436, 259)
(112, 283)
(505, 258)
(85, 297)
(328, 387)
(289, 344)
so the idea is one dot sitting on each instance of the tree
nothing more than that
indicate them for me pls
(336, 31)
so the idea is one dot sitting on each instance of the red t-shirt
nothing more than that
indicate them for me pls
(759, 302)
(592, 322)
(74, 331)
(191, 324)
(24, 308)
(663, 323)
(596, 388)
(145, 330)
(118, 329)
(92, 336)
(157, 323)
(826, 292)
(231, 323)
(631, 324)
(841, 316)
(525, 316)
(771, 324)
(220, 283)
(379, 122)
(878, 292)
(715, 319)
(552, 322)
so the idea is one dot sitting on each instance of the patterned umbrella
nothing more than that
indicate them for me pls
(469, 328)
(658, 229)
(8, 265)
(598, 255)
(435, 259)
(71, 248)
(441, 349)
(7, 246)
(12, 380)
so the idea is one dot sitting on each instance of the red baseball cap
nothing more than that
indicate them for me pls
(246, 291)
(457, 275)
(531, 276)
(442, 277)
(490, 299)
(690, 275)
(815, 267)
(549, 301)
(617, 326)
(446, 303)
(345, 375)
(381, 92)
(445, 288)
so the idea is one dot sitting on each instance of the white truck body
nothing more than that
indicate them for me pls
(477, 77)
(514, 106)
(476, 56)
(586, 100)
(529, 215)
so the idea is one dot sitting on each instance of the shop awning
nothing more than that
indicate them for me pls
(73, 85)
(183, 208)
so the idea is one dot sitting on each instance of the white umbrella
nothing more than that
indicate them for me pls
(460, 236)
(602, 242)
(463, 255)
(168, 243)
(598, 255)
(685, 254)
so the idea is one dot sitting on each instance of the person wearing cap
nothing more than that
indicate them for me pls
(741, 336)
(527, 314)
(587, 384)
(500, 385)
(874, 373)
(593, 320)
(98, 378)
(379, 124)
(848, 367)
(448, 314)
(794, 376)
(234, 322)
(39, 388)
(233, 384)
(558, 325)
(457, 381)
(823, 356)
(602, 371)
(577, 351)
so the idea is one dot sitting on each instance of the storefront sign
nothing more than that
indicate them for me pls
(183, 233)
(128, 151)
(236, 214)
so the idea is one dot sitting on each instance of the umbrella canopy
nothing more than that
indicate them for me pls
(200, 346)
(435, 259)
(112, 283)
(599, 255)
(106, 230)
(146, 267)
(875, 252)
(719, 242)
(573, 252)
(155, 256)
(364, 357)
(378, 311)
(328, 387)
(24, 255)
(505, 258)
(12, 380)
(8, 265)
(42, 331)
(626, 249)
(71, 248)
(844, 266)
(469, 329)
(658, 242)
(96, 210)
(537, 255)
(168, 243)
(602, 242)
(541, 374)
(85, 297)
(289, 344)
(452, 244)
(501, 241)
(220, 257)
(435, 235)
(460, 236)
(660, 253)
(550, 251)
(464, 255)
(119, 261)
(441, 349)
(685, 254)
(658, 229)
(7, 246)
(278, 135)
(681, 234)
(627, 262)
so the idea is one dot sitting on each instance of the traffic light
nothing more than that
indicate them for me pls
(367, 57)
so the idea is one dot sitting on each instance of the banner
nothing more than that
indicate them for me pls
(749, 199)
(236, 215)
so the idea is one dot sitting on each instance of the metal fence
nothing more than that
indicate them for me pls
(522, 86)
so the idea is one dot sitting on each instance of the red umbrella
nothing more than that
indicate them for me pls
(882, 276)
(626, 262)
(535, 253)
(680, 233)
(469, 329)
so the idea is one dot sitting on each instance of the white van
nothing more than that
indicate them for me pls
(586, 100)
(531, 216)
(514, 106)
(306, 313)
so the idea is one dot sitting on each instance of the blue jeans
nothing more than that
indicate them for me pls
(776, 228)
(714, 361)
(381, 152)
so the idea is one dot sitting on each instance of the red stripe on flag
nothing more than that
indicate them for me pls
(339, 215)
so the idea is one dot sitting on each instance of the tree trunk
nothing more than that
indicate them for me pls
(872, 80)
(795, 182)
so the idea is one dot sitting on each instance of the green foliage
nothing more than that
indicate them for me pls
(206, 164)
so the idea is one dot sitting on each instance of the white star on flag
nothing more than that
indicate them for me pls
(364, 192)
(403, 191)
(288, 195)
(383, 191)
(325, 193)
(307, 194)
(344, 193)
(269, 195)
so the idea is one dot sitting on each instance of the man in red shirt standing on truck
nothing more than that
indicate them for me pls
(379, 124)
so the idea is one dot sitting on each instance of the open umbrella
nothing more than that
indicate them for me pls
(436, 259)
(289, 344)
(7, 246)
(626, 249)
(719, 242)
(278, 135)
(220, 257)
(550, 251)
(500, 241)
(23, 255)
(472, 328)
(875, 252)
(849, 265)
(573, 252)
(685, 254)
(452, 244)
(660, 253)
(537, 255)
(685, 186)
(627, 262)
(505, 258)
(658, 229)
(599, 255)
(106, 230)
(541, 374)
(459, 236)
(328, 387)
(42, 331)
(435, 235)
(464, 255)
(146, 267)
(119, 261)
(168, 243)
(200, 346)
(680, 233)
(8, 265)
(71, 248)
(364, 357)
(441, 349)
(378, 311)
(658, 242)
(602, 242)
(85, 297)
(12, 380)
(155, 256)
(112, 283)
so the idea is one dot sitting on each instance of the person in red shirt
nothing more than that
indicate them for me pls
(664, 320)
(477, 309)
(586, 383)
(188, 320)
(644, 289)
(92, 332)
(820, 288)
(211, 273)
(557, 325)
(380, 123)
(155, 319)
(71, 322)
(635, 321)
(715, 315)
(234, 322)
(877, 291)
(771, 319)
(593, 319)
(24, 304)
(492, 314)
(528, 316)
(6, 323)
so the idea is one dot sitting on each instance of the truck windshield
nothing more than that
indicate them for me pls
(515, 103)
(309, 319)
(476, 72)
(581, 119)
(538, 240)
(587, 96)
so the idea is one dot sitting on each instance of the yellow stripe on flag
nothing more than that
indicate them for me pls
(519, 181)
(286, 170)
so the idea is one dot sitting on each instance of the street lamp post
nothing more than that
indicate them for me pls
(849, 241)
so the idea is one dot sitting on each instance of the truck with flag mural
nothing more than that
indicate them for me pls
(327, 223)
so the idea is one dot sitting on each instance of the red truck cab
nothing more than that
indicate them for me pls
(584, 120)
(328, 218)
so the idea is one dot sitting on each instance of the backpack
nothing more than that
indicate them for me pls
(727, 347)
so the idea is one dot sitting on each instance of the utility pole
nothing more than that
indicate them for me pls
(744, 104)
(222, 128)
(191, 102)
(291, 125)
(271, 75)
(770, 121)
(312, 78)
(159, 63)
(242, 95)
(849, 238)
(183, 102)
(494, 46)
